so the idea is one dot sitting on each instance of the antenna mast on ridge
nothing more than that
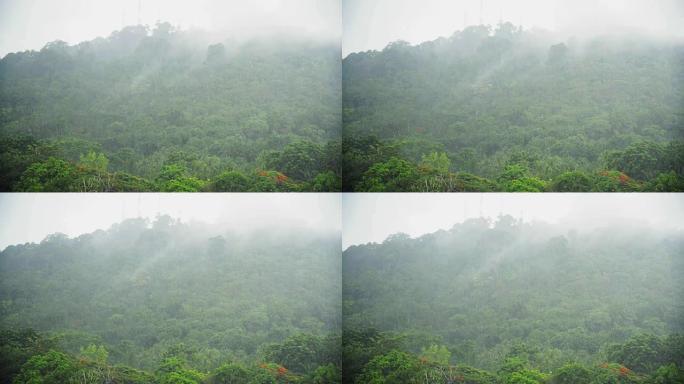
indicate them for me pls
(139, 6)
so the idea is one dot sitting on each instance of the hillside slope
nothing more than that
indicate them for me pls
(488, 292)
(490, 100)
(149, 291)
(165, 105)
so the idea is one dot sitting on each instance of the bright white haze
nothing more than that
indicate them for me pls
(372, 24)
(30, 24)
(30, 217)
(372, 217)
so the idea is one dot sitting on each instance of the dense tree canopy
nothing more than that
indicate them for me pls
(142, 100)
(181, 303)
(486, 99)
(601, 114)
(514, 302)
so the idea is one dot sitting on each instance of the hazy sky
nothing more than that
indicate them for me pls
(371, 24)
(29, 24)
(371, 217)
(29, 217)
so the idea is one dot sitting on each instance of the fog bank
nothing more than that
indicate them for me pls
(30, 217)
(373, 217)
(372, 24)
(30, 24)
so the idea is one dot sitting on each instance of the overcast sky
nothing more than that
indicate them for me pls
(371, 217)
(368, 24)
(29, 217)
(29, 24)
(372, 24)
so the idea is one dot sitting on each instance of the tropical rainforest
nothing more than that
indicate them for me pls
(167, 302)
(486, 109)
(506, 109)
(162, 109)
(505, 301)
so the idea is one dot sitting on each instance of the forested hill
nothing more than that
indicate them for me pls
(518, 300)
(166, 109)
(168, 297)
(522, 109)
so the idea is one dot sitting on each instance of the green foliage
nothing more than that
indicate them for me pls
(573, 181)
(50, 175)
(466, 182)
(511, 365)
(326, 182)
(395, 367)
(173, 178)
(360, 345)
(523, 300)
(668, 374)
(436, 162)
(525, 376)
(273, 181)
(50, 368)
(132, 101)
(393, 175)
(525, 184)
(666, 182)
(513, 172)
(514, 178)
(615, 373)
(182, 184)
(231, 374)
(436, 354)
(300, 160)
(325, 374)
(95, 353)
(302, 353)
(614, 181)
(640, 160)
(359, 153)
(572, 373)
(121, 297)
(641, 353)
(376, 170)
(128, 375)
(95, 161)
(232, 181)
(123, 182)
(488, 97)
(17, 347)
(470, 375)
(17, 153)
(173, 371)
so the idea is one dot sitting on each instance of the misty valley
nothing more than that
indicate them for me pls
(163, 109)
(510, 302)
(507, 109)
(168, 302)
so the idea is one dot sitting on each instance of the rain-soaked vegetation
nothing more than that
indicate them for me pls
(503, 302)
(162, 109)
(507, 109)
(168, 302)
